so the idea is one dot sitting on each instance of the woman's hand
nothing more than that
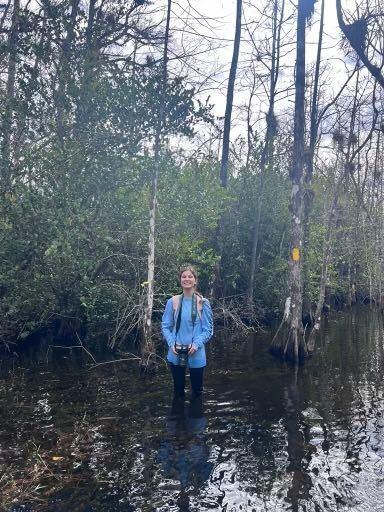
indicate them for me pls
(191, 350)
(174, 349)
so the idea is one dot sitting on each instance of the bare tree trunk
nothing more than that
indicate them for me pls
(313, 132)
(229, 103)
(268, 148)
(291, 345)
(148, 345)
(218, 285)
(250, 147)
(6, 128)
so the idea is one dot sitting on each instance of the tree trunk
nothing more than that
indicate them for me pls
(148, 347)
(64, 72)
(268, 148)
(84, 109)
(229, 103)
(313, 132)
(291, 343)
(218, 285)
(6, 128)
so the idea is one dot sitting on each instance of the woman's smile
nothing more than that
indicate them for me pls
(187, 280)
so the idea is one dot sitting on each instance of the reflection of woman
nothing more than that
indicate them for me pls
(187, 322)
(184, 454)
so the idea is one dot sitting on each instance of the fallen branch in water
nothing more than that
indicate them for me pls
(87, 351)
(91, 367)
(68, 348)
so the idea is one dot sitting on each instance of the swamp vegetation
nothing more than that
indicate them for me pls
(116, 167)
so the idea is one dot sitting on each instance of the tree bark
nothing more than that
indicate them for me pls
(7, 128)
(291, 344)
(313, 132)
(148, 345)
(229, 102)
(218, 284)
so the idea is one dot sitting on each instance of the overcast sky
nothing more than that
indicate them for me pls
(216, 27)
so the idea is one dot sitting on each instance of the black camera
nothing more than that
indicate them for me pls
(182, 352)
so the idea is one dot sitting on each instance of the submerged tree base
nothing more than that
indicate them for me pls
(289, 344)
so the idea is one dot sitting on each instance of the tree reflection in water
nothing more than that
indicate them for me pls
(278, 438)
(298, 451)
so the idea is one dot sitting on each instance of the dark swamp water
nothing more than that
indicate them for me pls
(267, 436)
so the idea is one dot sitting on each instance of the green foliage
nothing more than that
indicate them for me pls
(74, 227)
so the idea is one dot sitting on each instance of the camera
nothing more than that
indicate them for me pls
(182, 352)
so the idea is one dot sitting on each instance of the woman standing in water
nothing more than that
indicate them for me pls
(187, 325)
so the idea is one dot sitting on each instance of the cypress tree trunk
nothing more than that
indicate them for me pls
(313, 131)
(289, 343)
(218, 284)
(229, 103)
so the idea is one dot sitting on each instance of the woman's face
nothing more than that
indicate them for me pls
(187, 280)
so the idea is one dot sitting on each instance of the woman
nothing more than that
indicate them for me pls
(187, 325)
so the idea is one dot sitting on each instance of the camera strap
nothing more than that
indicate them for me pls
(193, 313)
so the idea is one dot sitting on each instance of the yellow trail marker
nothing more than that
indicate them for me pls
(296, 254)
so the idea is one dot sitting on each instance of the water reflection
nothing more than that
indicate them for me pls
(299, 452)
(268, 437)
(184, 453)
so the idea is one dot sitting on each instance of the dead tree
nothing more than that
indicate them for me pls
(229, 101)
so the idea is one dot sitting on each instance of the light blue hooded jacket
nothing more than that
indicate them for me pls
(197, 335)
